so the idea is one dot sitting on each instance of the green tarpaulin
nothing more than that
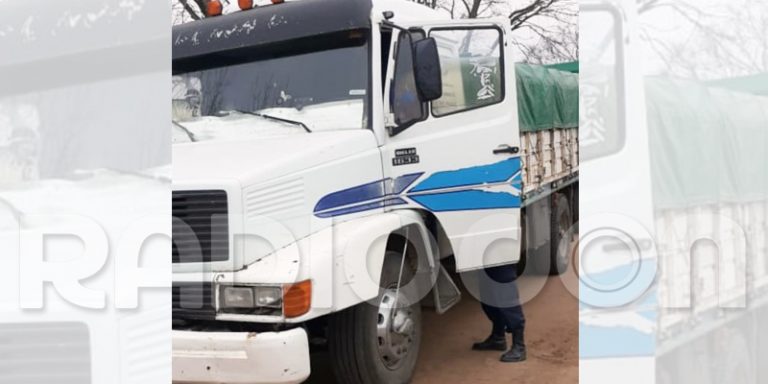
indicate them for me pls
(754, 84)
(708, 144)
(572, 66)
(546, 98)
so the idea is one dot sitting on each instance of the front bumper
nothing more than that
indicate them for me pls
(240, 357)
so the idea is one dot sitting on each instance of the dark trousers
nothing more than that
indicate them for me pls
(500, 299)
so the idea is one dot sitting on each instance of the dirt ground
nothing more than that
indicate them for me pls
(552, 336)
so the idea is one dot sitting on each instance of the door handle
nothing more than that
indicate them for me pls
(504, 148)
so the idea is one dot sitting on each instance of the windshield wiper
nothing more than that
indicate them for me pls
(183, 128)
(275, 118)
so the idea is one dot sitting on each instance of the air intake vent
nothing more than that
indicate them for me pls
(44, 353)
(193, 301)
(200, 226)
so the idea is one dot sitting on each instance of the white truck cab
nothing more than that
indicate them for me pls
(328, 155)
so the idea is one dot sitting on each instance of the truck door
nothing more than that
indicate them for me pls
(459, 158)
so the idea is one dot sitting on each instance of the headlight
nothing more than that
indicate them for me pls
(237, 297)
(271, 297)
(289, 300)
(263, 300)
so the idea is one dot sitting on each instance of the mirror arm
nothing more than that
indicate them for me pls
(394, 131)
(387, 23)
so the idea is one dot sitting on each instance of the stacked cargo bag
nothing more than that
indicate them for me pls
(548, 112)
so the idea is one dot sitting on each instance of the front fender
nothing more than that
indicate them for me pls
(359, 264)
(343, 261)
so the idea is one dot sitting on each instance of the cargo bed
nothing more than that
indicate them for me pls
(548, 114)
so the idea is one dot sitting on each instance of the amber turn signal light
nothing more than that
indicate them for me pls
(245, 4)
(214, 8)
(297, 298)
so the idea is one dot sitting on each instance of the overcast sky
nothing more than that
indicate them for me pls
(729, 40)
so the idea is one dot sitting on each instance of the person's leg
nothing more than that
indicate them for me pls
(497, 341)
(513, 316)
(516, 326)
(510, 311)
(496, 318)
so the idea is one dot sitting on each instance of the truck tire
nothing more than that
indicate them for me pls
(364, 342)
(575, 203)
(521, 262)
(559, 251)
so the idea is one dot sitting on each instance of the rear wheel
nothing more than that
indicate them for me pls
(560, 229)
(523, 246)
(377, 342)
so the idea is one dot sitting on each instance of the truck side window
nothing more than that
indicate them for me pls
(406, 105)
(386, 41)
(472, 69)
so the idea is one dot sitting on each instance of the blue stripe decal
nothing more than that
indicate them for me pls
(352, 209)
(403, 182)
(492, 173)
(359, 194)
(431, 193)
(467, 200)
(394, 201)
(361, 207)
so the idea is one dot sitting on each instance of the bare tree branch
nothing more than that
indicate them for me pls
(189, 10)
(522, 15)
(724, 41)
(558, 41)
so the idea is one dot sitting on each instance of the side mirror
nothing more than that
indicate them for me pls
(426, 68)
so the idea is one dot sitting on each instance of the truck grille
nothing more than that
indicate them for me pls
(42, 353)
(200, 226)
(193, 301)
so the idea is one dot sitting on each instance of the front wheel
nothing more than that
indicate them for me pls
(377, 342)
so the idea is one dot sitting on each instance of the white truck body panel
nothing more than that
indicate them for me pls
(273, 184)
(344, 263)
(454, 147)
(240, 357)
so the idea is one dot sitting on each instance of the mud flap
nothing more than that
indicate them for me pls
(445, 292)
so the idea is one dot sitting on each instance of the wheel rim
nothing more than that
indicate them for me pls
(395, 328)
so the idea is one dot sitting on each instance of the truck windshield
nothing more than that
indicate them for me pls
(324, 87)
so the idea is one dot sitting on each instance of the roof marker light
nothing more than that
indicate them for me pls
(214, 8)
(245, 4)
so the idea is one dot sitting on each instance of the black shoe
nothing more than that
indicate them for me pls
(492, 343)
(517, 352)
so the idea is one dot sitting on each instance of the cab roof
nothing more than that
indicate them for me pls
(268, 24)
